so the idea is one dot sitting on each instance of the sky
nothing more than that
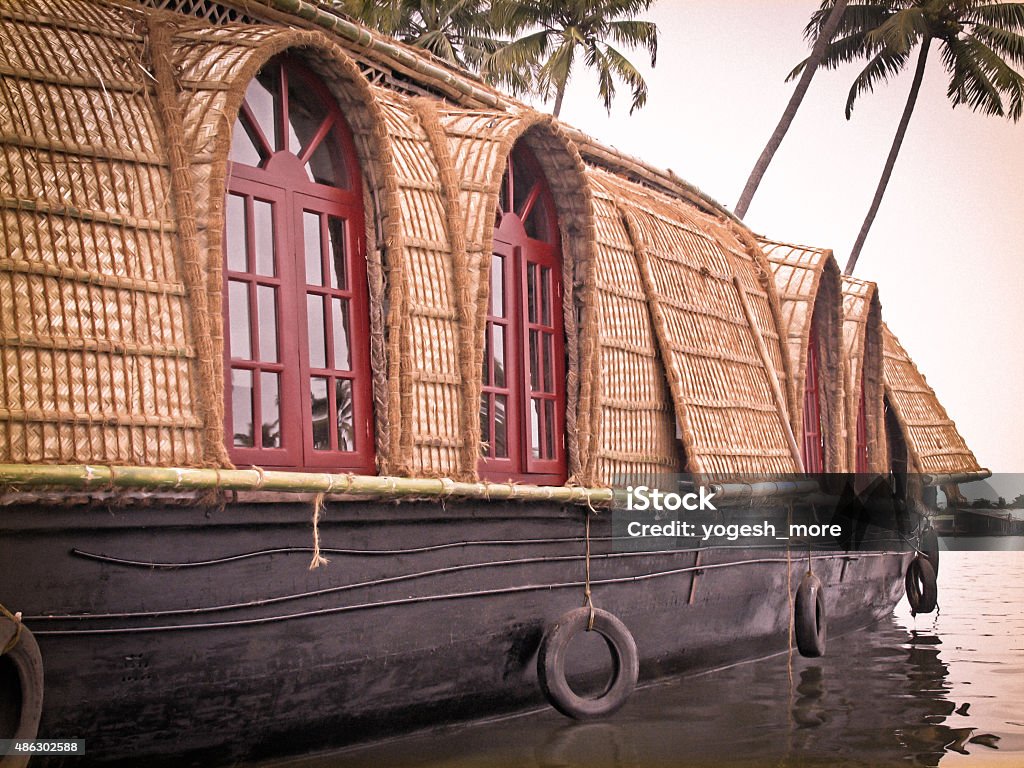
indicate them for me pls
(947, 247)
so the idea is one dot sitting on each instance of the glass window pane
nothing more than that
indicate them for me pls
(266, 301)
(314, 250)
(487, 355)
(549, 429)
(342, 356)
(321, 408)
(325, 165)
(546, 354)
(263, 235)
(485, 422)
(545, 295)
(500, 426)
(535, 427)
(336, 252)
(270, 410)
(534, 363)
(263, 98)
(498, 352)
(245, 145)
(241, 407)
(497, 285)
(305, 113)
(238, 319)
(234, 233)
(531, 292)
(315, 321)
(346, 415)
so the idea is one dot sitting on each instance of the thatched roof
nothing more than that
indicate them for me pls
(810, 294)
(113, 157)
(932, 439)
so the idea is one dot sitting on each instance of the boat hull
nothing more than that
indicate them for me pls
(191, 633)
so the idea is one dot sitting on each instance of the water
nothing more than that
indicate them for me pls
(946, 689)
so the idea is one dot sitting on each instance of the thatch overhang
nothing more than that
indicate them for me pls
(934, 445)
(862, 347)
(810, 295)
(715, 317)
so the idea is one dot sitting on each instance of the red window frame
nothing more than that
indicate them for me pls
(292, 179)
(814, 449)
(524, 353)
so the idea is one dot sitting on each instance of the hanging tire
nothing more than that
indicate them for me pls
(809, 619)
(922, 590)
(930, 548)
(21, 695)
(551, 664)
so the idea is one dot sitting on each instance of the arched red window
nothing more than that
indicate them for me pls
(522, 412)
(814, 449)
(297, 358)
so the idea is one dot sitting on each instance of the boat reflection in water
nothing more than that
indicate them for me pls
(905, 691)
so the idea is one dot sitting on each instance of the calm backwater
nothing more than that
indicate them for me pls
(945, 689)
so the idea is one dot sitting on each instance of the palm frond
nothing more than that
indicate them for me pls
(856, 17)
(1006, 15)
(882, 66)
(969, 83)
(901, 31)
(639, 34)
(625, 71)
(1008, 44)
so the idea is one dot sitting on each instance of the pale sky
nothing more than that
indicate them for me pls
(946, 248)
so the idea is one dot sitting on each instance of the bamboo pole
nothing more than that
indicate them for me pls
(92, 477)
(86, 477)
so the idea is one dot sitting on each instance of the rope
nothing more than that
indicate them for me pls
(16, 618)
(318, 559)
(588, 601)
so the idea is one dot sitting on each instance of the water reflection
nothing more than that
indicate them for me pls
(946, 688)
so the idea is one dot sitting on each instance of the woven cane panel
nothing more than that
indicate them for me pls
(95, 345)
(810, 291)
(862, 345)
(636, 423)
(433, 352)
(730, 421)
(934, 442)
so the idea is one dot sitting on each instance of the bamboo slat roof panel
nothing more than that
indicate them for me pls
(934, 443)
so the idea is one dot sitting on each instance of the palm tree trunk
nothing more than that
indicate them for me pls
(817, 54)
(890, 162)
(558, 98)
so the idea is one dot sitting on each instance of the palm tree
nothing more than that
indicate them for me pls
(817, 53)
(456, 31)
(544, 57)
(980, 42)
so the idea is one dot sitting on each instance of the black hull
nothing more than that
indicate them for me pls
(255, 655)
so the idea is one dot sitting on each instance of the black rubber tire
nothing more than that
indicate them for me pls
(922, 590)
(930, 548)
(551, 664)
(810, 622)
(28, 663)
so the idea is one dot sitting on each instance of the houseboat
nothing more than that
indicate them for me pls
(322, 363)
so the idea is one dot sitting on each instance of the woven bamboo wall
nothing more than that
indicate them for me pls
(810, 293)
(634, 424)
(934, 443)
(97, 355)
(697, 275)
(862, 345)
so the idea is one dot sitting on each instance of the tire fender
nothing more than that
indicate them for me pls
(810, 622)
(922, 589)
(28, 663)
(551, 664)
(930, 547)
